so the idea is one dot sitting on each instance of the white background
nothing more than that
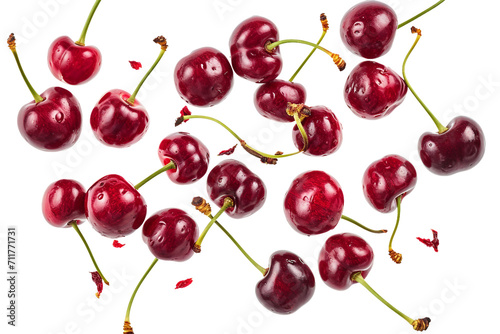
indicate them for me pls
(454, 69)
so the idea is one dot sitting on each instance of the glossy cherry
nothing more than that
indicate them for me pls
(190, 155)
(249, 57)
(204, 77)
(63, 202)
(373, 90)
(288, 284)
(114, 207)
(271, 99)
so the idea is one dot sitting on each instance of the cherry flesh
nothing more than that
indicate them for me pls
(64, 202)
(190, 155)
(116, 122)
(271, 99)
(368, 29)
(73, 63)
(170, 235)
(314, 203)
(459, 148)
(204, 77)
(249, 56)
(233, 179)
(323, 130)
(373, 90)
(288, 284)
(114, 207)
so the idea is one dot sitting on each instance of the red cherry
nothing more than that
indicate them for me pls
(271, 99)
(64, 202)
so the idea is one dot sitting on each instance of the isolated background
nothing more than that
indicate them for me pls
(454, 69)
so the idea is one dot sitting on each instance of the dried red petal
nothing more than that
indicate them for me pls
(98, 282)
(135, 64)
(426, 242)
(229, 151)
(183, 284)
(434, 243)
(116, 244)
(185, 112)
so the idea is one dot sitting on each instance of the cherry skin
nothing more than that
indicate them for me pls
(190, 155)
(288, 284)
(249, 57)
(459, 148)
(64, 202)
(271, 99)
(204, 77)
(341, 256)
(170, 235)
(373, 90)
(231, 178)
(368, 29)
(386, 179)
(114, 207)
(314, 203)
(116, 122)
(53, 124)
(323, 130)
(72, 63)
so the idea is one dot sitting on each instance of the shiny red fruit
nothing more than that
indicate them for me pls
(63, 202)
(271, 99)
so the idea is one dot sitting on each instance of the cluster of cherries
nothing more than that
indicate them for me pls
(314, 201)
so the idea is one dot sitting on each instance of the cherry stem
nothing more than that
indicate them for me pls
(162, 41)
(228, 203)
(170, 165)
(296, 117)
(362, 226)
(420, 14)
(440, 127)
(81, 41)
(75, 226)
(12, 45)
(398, 203)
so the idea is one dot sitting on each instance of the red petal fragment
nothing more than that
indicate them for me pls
(183, 284)
(229, 151)
(426, 242)
(135, 64)
(434, 243)
(185, 112)
(98, 282)
(116, 244)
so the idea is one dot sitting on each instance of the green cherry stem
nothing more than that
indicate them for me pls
(170, 165)
(81, 41)
(361, 225)
(396, 257)
(75, 226)
(163, 42)
(11, 41)
(228, 203)
(420, 14)
(440, 126)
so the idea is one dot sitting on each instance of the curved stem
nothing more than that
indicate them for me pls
(170, 165)
(127, 315)
(131, 99)
(361, 225)
(398, 202)
(440, 127)
(302, 132)
(81, 41)
(75, 226)
(420, 14)
(228, 202)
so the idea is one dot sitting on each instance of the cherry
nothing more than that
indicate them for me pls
(74, 62)
(204, 77)
(190, 155)
(288, 284)
(271, 99)
(373, 90)
(118, 119)
(52, 122)
(346, 259)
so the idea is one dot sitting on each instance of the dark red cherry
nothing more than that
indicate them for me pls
(386, 179)
(53, 124)
(341, 256)
(72, 63)
(204, 77)
(170, 235)
(271, 99)
(249, 57)
(314, 203)
(190, 155)
(323, 130)
(63, 202)
(368, 29)
(114, 207)
(373, 90)
(459, 148)
(288, 284)
(116, 122)
(231, 178)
